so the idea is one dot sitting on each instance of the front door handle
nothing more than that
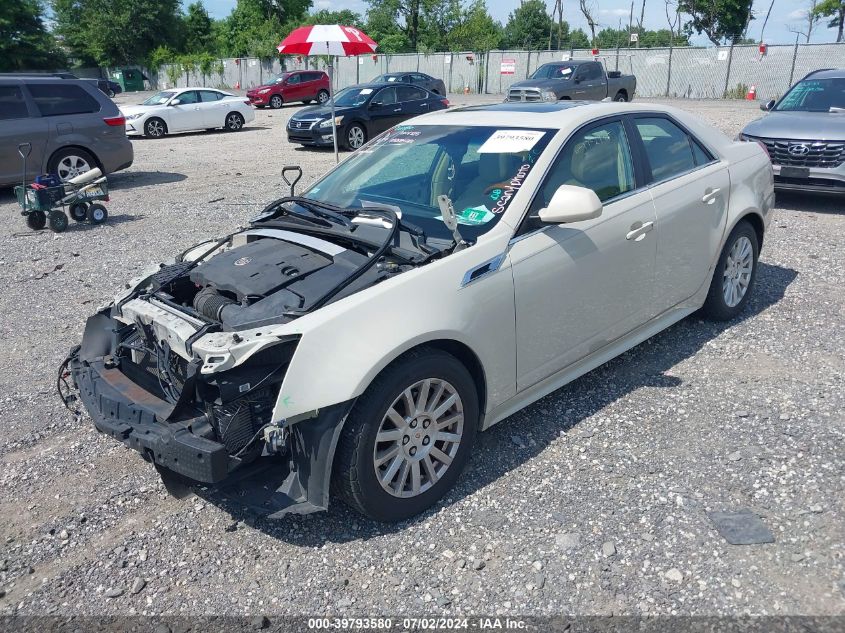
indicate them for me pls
(710, 195)
(638, 231)
(398, 110)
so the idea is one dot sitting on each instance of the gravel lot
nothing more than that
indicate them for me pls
(595, 500)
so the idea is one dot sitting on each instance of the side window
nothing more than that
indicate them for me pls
(386, 96)
(12, 103)
(62, 98)
(190, 96)
(419, 78)
(210, 95)
(598, 158)
(410, 93)
(702, 156)
(592, 72)
(294, 79)
(667, 147)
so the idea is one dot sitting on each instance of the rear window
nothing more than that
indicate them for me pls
(57, 99)
(12, 104)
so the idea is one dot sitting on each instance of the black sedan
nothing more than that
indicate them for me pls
(432, 84)
(361, 112)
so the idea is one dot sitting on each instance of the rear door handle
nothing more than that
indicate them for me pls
(639, 230)
(398, 110)
(710, 195)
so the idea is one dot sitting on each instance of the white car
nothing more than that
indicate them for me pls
(187, 109)
(454, 270)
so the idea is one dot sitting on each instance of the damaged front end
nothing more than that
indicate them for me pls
(186, 369)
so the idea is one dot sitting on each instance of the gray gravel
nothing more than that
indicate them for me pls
(595, 500)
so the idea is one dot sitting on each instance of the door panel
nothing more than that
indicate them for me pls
(692, 215)
(580, 286)
(187, 115)
(384, 110)
(18, 126)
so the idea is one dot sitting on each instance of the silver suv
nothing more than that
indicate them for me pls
(804, 134)
(71, 126)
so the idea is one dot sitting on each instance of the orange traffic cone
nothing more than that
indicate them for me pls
(752, 94)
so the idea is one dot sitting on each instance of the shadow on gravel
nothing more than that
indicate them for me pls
(811, 203)
(504, 447)
(210, 132)
(129, 179)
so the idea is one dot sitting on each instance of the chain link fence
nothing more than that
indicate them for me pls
(687, 72)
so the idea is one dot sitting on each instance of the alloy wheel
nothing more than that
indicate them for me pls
(72, 166)
(275, 102)
(323, 96)
(234, 121)
(418, 437)
(737, 273)
(155, 128)
(355, 137)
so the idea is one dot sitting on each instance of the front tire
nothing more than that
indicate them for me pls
(97, 214)
(735, 274)
(36, 220)
(408, 437)
(276, 102)
(79, 211)
(620, 97)
(155, 128)
(356, 136)
(322, 96)
(58, 221)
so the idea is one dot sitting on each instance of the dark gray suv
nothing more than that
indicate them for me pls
(71, 125)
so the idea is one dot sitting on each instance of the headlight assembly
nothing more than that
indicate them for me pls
(132, 117)
(328, 122)
(548, 95)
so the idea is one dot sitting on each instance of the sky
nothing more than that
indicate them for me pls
(786, 15)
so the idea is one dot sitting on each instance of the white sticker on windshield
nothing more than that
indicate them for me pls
(510, 141)
(566, 71)
(391, 78)
(366, 91)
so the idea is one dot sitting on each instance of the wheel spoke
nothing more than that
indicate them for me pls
(443, 408)
(440, 456)
(403, 476)
(443, 424)
(430, 471)
(393, 451)
(394, 416)
(447, 437)
(415, 477)
(393, 435)
(390, 473)
(422, 397)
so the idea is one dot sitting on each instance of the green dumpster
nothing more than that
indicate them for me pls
(130, 79)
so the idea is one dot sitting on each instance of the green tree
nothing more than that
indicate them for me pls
(197, 29)
(24, 42)
(722, 21)
(835, 10)
(528, 26)
(252, 30)
(384, 28)
(403, 14)
(475, 30)
(116, 32)
(344, 17)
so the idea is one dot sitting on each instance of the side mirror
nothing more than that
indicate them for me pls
(577, 80)
(376, 104)
(571, 204)
(174, 102)
(768, 105)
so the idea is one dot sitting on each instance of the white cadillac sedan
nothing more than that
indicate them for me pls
(187, 109)
(454, 270)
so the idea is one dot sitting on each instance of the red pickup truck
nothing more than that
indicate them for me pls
(300, 85)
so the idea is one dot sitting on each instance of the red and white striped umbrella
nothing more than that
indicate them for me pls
(327, 39)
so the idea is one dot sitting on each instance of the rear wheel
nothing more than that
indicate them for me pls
(356, 136)
(276, 102)
(97, 214)
(70, 162)
(408, 437)
(58, 221)
(735, 274)
(323, 96)
(79, 211)
(234, 121)
(36, 220)
(620, 96)
(155, 128)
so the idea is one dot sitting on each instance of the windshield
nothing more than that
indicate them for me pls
(385, 79)
(159, 98)
(814, 95)
(279, 79)
(352, 96)
(408, 167)
(553, 71)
